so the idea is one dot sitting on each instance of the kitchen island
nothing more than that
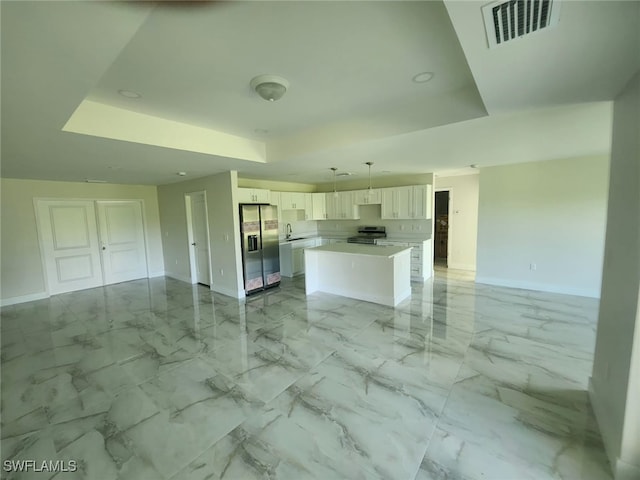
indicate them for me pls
(379, 274)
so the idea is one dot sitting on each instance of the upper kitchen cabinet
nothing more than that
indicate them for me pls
(368, 197)
(396, 203)
(253, 195)
(318, 206)
(406, 203)
(422, 201)
(292, 201)
(341, 206)
(275, 199)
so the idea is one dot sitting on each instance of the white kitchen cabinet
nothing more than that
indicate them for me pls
(396, 203)
(292, 200)
(331, 205)
(254, 195)
(292, 256)
(348, 206)
(275, 200)
(368, 197)
(318, 206)
(308, 206)
(342, 206)
(421, 202)
(421, 264)
(406, 203)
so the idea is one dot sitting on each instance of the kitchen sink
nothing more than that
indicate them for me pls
(295, 238)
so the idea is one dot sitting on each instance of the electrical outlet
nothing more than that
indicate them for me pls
(532, 266)
(226, 237)
(222, 272)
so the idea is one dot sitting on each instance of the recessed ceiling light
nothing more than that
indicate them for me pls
(261, 131)
(181, 174)
(422, 77)
(129, 94)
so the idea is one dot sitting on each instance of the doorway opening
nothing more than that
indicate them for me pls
(198, 237)
(441, 221)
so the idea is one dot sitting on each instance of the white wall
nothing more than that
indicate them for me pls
(615, 381)
(550, 213)
(224, 230)
(463, 219)
(22, 274)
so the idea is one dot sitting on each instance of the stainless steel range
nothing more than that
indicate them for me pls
(368, 235)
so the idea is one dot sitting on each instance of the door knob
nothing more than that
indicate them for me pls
(194, 244)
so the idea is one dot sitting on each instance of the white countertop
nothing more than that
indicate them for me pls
(359, 249)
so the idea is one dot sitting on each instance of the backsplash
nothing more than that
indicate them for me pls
(299, 226)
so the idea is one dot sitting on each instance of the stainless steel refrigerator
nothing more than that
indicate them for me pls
(260, 247)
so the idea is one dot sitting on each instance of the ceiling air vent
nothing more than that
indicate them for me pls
(507, 21)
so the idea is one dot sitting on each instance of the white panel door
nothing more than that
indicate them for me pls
(122, 246)
(70, 244)
(200, 238)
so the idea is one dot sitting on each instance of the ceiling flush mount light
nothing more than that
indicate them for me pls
(422, 77)
(270, 87)
(129, 94)
(181, 174)
(473, 165)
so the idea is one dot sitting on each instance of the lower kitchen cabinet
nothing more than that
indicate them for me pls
(292, 256)
(421, 263)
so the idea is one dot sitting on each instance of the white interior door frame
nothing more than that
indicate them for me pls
(449, 218)
(188, 198)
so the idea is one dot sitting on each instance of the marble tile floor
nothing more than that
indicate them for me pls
(158, 379)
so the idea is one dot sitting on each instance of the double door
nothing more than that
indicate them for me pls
(88, 244)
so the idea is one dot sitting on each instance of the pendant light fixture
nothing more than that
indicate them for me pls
(335, 192)
(369, 164)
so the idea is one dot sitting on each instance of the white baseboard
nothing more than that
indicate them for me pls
(626, 471)
(541, 287)
(5, 302)
(228, 292)
(462, 266)
(177, 277)
(157, 274)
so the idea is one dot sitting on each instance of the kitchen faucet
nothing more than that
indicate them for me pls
(289, 230)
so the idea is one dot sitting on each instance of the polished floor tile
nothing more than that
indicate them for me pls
(158, 379)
